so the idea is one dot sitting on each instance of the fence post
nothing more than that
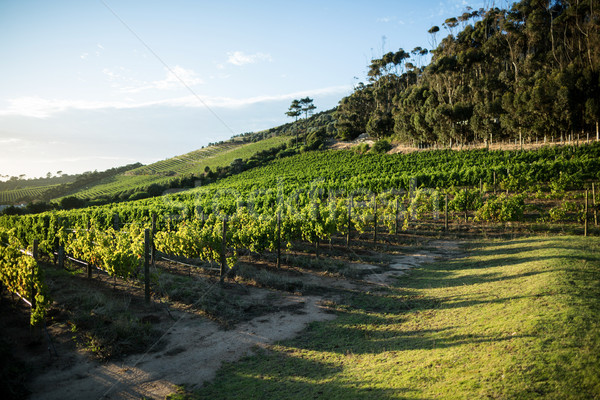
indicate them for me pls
(147, 265)
(152, 233)
(585, 218)
(397, 216)
(350, 200)
(278, 239)
(446, 213)
(33, 329)
(32, 286)
(375, 220)
(34, 252)
(317, 244)
(61, 257)
(223, 249)
(594, 204)
(116, 222)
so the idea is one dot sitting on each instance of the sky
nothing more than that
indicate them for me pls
(94, 84)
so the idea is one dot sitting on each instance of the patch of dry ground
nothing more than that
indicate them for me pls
(193, 348)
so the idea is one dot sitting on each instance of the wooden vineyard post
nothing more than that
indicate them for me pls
(35, 249)
(34, 329)
(397, 216)
(61, 257)
(147, 265)
(350, 200)
(317, 244)
(116, 222)
(89, 270)
(494, 182)
(375, 220)
(152, 233)
(585, 218)
(446, 213)
(223, 249)
(32, 282)
(278, 239)
(594, 204)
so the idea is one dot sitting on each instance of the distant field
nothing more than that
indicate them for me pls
(191, 163)
(14, 196)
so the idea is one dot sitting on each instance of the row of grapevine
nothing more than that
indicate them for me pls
(311, 219)
(20, 274)
(316, 196)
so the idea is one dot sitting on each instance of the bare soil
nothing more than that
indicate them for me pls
(191, 347)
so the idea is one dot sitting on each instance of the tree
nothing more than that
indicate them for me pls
(433, 32)
(307, 106)
(354, 111)
(295, 110)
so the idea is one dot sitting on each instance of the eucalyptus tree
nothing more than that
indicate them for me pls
(433, 32)
(354, 111)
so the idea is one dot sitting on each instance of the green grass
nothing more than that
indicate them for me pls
(510, 319)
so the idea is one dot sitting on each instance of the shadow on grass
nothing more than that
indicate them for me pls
(282, 375)
(314, 364)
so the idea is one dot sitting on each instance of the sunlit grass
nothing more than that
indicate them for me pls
(510, 319)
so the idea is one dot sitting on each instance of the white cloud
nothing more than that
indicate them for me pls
(10, 140)
(38, 107)
(175, 78)
(83, 56)
(240, 58)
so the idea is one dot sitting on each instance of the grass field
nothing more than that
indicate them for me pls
(508, 319)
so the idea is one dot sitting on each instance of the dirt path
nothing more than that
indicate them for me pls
(196, 347)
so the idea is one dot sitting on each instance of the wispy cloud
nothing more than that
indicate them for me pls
(10, 140)
(38, 107)
(240, 58)
(175, 78)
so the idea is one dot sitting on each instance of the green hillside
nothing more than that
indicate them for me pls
(14, 196)
(136, 179)
(162, 172)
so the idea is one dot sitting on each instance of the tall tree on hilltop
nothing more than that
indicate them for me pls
(295, 111)
(307, 106)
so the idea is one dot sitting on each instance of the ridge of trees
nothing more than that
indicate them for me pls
(530, 71)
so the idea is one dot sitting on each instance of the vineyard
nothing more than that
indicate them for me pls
(16, 195)
(137, 180)
(162, 172)
(315, 197)
(311, 204)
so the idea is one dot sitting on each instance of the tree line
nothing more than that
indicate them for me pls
(525, 72)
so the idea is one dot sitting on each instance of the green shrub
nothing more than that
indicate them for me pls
(381, 146)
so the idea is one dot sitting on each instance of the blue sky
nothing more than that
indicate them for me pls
(94, 84)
